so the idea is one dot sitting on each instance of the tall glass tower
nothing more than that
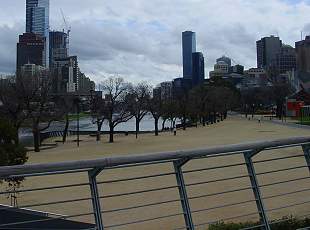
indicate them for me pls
(188, 48)
(37, 21)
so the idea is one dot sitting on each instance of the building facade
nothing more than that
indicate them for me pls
(225, 59)
(58, 46)
(267, 49)
(37, 21)
(30, 50)
(285, 60)
(303, 55)
(198, 68)
(188, 47)
(66, 73)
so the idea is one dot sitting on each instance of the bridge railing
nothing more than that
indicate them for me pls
(191, 189)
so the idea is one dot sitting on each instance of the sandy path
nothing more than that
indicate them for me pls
(233, 130)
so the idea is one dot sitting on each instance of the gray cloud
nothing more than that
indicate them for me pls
(141, 40)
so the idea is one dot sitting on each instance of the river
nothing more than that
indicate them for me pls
(86, 124)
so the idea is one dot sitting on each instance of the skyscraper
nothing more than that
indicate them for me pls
(188, 47)
(267, 49)
(30, 49)
(37, 21)
(58, 46)
(198, 68)
(303, 55)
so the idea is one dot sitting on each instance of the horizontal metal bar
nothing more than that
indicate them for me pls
(279, 158)
(224, 206)
(135, 178)
(8, 171)
(141, 164)
(219, 180)
(50, 203)
(283, 182)
(144, 220)
(140, 206)
(45, 188)
(45, 220)
(287, 193)
(220, 193)
(50, 173)
(288, 206)
(138, 192)
(281, 170)
(212, 168)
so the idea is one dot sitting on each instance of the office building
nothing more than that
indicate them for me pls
(58, 46)
(225, 59)
(188, 47)
(303, 55)
(37, 21)
(66, 73)
(198, 69)
(285, 60)
(267, 48)
(30, 50)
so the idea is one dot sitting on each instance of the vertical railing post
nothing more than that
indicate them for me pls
(183, 194)
(255, 187)
(92, 174)
(306, 149)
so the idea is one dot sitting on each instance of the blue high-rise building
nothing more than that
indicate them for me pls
(188, 48)
(37, 22)
(198, 68)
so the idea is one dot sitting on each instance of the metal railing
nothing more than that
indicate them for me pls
(189, 189)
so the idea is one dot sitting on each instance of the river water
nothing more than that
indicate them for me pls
(86, 124)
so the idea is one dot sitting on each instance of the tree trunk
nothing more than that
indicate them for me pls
(204, 120)
(137, 127)
(184, 122)
(65, 133)
(36, 138)
(98, 135)
(111, 139)
(156, 126)
(163, 125)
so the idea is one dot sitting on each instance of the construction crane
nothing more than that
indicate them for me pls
(68, 28)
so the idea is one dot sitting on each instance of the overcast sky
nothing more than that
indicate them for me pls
(141, 39)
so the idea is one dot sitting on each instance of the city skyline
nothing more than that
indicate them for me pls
(140, 46)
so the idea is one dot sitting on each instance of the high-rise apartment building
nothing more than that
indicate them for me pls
(267, 49)
(58, 46)
(37, 21)
(285, 60)
(188, 47)
(303, 55)
(30, 50)
(198, 68)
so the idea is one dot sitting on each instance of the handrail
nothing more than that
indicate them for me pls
(14, 171)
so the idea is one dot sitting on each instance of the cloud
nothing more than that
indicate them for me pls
(141, 40)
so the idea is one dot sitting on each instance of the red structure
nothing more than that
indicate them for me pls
(295, 102)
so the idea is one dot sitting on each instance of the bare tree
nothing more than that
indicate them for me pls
(41, 109)
(117, 107)
(97, 108)
(156, 107)
(65, 105)
(15, 92)
(138, 100)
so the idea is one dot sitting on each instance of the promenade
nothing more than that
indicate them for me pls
(233, 130)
